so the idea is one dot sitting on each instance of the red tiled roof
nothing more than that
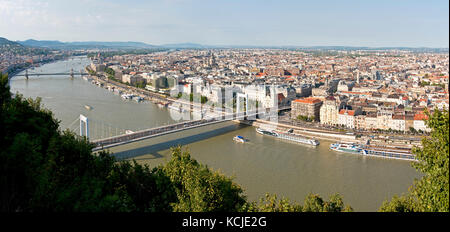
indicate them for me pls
(309, 100)
(420, 117)
(349, 112)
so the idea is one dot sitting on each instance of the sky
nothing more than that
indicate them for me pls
(380, 23)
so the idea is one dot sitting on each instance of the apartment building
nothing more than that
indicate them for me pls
(309, 107)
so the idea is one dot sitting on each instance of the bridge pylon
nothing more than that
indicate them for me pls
(84, 120)
(239, 96)
(71, 73)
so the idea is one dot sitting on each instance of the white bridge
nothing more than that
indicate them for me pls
(164, 130)
(110, 139)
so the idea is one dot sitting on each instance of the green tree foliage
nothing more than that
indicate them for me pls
(198, 188)
(305, 118)
(110, 71)
(431, 193)
(312, 203)
(270, 203)
(44, 169)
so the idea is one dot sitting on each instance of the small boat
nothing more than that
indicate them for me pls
(161, 105)
(239, 138)
(88, 107)
(127, 96)
(138, 98)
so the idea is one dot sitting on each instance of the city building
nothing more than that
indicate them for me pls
(309, 107)
(329, 111)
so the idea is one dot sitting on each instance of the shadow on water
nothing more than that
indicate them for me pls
(155, 148)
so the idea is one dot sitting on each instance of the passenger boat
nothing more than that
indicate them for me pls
(296, 138)
(266, 132)
(388, 153)
(367, 150)
(346, 147)
(127, 96)
(288, 136)
(138, 98)
(88, 107)
(239, 138)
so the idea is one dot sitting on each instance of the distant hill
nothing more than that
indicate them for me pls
(41, 43)
(11, 47)
(129, 44)
(84, 45)
(186, 45)
(6, 42)
(54, 44)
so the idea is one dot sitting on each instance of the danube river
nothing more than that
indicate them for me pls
(262, 165)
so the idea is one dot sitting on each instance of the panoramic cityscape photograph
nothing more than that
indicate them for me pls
(251, 111)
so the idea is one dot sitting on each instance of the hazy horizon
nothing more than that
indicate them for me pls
(416, 24)
(224, 45)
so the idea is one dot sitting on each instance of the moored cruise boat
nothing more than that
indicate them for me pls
(289, 136)
(373, 151)
(266, 132)
(388, 153)
(299, 139)
(346, 147)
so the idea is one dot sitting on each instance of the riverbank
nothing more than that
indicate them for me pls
(314, 133)
(159, 99)
(36, 65)
(333, 137)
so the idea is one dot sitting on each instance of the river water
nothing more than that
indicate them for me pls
(262, 165)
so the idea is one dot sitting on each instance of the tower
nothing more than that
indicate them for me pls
(84, 121)
(357, 76)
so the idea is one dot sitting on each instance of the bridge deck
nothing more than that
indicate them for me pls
(101, 144)
(49, 74)
(150, 133)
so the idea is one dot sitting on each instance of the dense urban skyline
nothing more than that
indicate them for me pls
(287, 23)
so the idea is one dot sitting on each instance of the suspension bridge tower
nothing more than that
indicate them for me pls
(84, 124)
